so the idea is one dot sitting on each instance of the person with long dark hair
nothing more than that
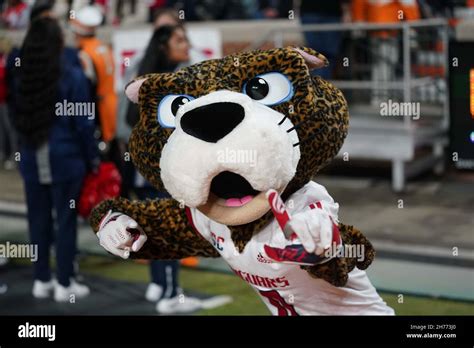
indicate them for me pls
(53, 115)
(167, 50)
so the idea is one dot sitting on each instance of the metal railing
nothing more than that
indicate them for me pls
(403, 138)
(276, 35)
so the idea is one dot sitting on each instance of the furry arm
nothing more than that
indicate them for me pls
(170, 236)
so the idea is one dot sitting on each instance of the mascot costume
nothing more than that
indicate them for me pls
(236, 142)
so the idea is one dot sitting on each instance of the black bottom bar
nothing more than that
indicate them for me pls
(191, 330)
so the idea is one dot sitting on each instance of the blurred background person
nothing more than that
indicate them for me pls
(98, 64)
(128, 112)
(8, 140)
(206, 10)
(270, 9)
(384, 43)
(166, 16)
(16, 14)
(104, 6)
(119, 6)
(40, 8)
(155, 6)
(168, 48)
(326, 42)
(3, 97)
(57, 150)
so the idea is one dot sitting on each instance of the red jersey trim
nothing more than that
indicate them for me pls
(189, 215)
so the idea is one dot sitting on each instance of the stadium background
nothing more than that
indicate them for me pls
(416, 271)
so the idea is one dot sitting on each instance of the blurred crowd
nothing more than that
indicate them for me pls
(58, 153)
(15, 13)
(61, 119)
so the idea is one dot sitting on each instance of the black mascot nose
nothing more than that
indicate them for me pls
(212, 122)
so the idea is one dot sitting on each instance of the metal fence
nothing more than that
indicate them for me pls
(420, 77)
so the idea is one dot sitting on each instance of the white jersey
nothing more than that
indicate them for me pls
(286, 289)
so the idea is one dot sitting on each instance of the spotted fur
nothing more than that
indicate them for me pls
(320, 116)
(165, 224)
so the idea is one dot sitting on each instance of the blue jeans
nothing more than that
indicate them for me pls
(41, 200)
(163, 272)
(326, 42)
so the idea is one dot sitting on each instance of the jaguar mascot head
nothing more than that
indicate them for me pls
(219, 134)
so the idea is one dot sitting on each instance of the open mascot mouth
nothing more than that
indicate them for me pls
(232, 190)
(233, 201)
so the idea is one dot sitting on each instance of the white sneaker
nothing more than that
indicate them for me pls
(63, 294)
(178, 305)
(43, 289)
(153, 292)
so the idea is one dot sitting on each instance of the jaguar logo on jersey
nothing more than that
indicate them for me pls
(270, 283)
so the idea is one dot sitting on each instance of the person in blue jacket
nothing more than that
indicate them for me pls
(52, 111)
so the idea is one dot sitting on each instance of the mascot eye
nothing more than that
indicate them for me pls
(257, 88)
(168, 108)
(269, 89)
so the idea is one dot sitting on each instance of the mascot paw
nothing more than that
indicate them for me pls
(336, 271)
(119, 234)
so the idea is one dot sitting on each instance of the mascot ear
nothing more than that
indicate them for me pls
(132, 88)
(313, 59)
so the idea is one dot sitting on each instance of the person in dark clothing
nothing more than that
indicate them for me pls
(167, 49)
(8, 140)
(42, 8)
(51, 111)
(274, 8)
(327, 42)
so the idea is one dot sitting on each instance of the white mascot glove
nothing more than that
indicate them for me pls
(309, 234)
(119, 234)
(314, 230)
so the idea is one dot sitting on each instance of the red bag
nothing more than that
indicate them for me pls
(98, 187)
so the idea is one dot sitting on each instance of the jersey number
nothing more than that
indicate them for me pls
(284, 309)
